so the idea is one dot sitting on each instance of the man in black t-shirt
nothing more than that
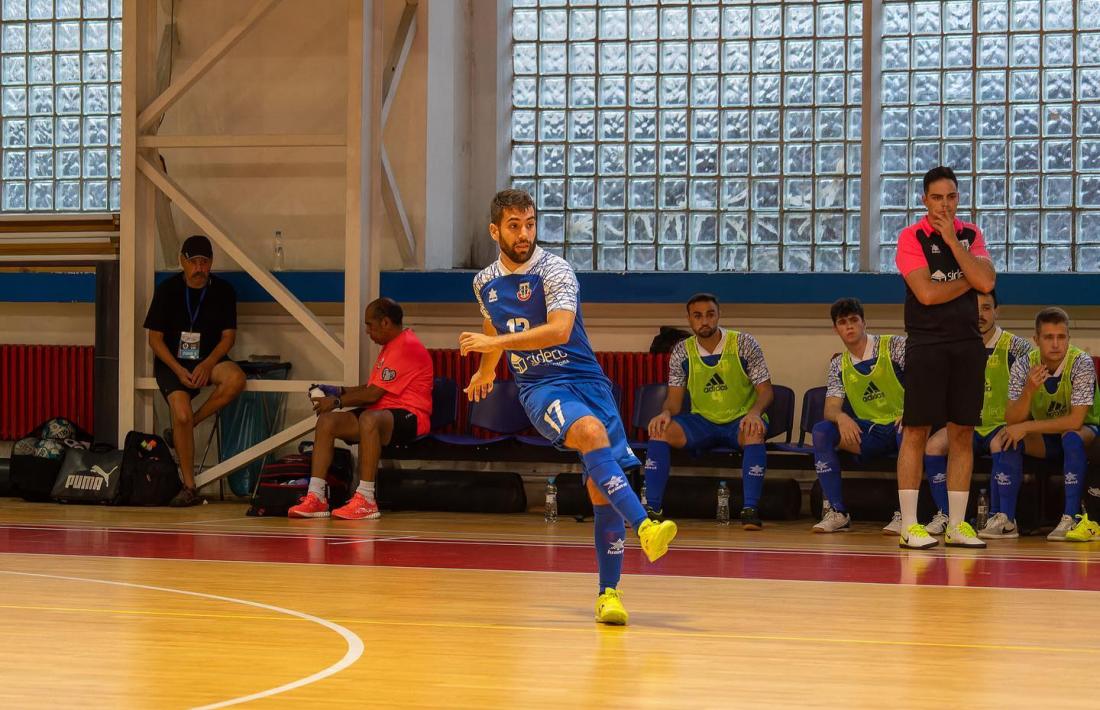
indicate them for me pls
(945, 264)
(192, 324)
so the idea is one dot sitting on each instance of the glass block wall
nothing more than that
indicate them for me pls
(725, 134)
(690, 135)
(61, 68)
(1010, 97)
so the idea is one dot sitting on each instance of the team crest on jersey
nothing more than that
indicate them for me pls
(492, 295)
(388, 375)
(524, 292)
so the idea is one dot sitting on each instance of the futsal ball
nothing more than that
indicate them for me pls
(58, 428)
(49, 449)
(24, 447)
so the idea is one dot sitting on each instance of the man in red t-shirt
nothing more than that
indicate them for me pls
(945, 265)
(395, 406)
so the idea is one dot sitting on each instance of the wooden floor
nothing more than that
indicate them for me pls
(141, 608)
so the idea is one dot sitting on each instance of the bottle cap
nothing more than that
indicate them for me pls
(551, 480)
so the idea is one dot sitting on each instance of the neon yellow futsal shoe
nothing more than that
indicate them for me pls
(610, 609)
(656, 537)
(1085, 531)
(917, 538)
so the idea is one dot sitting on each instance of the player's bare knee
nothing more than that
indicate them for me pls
(182, 416)
(588, 433)
(937, 444)
(326, 424)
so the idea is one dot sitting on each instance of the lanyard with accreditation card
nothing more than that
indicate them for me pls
(191, 341)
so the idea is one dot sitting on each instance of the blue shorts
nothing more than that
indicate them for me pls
(877, 440)
(981, 443)
(702, 434)
(554, 407)
(1053, 444)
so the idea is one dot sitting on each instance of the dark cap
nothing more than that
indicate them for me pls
(197, 245)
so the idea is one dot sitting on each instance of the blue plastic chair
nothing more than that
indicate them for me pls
(500, 412)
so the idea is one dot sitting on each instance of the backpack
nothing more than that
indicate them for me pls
(89, 476)
(149, 473)
(285, 482)
(37, 457)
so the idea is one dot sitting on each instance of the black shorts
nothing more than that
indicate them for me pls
(944, 382)
(404, 424)
(169, 383)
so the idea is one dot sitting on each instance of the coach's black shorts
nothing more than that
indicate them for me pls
(168, 382)
(944, 382)
(404, 424)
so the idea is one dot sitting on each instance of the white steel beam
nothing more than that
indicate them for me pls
(391, 197)
(263, 277)
(254, 452)
(399, 53)
(243, 141)
(203, 64)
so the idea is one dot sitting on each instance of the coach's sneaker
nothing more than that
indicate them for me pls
(961, 535)
(1066, 524)
(917, 538)
(999, 527)
(358, 508)
(938, 525)
(1085, 531)
(610, 609)
(894, 526)
(750, 519)
(310, 506)
(186, 498)
(833, 521)
(656, 537)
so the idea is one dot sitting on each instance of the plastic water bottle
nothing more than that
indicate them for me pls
(279, 257)
(723, 504)
(551, 501)
(983, 508)
(645, 502)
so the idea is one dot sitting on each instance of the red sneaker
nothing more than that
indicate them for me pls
(358, 508)
(309, 507)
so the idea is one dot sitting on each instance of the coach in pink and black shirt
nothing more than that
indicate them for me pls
(945, 264)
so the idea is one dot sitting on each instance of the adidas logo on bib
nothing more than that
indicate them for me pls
(1055, 410)
(715, 384)
(872, 393)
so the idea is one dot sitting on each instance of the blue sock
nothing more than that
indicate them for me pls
(1008, 476)
(754, 463)
(608, 475)
(935, 469)
(656, 473)
(994, 489)
(826, 436)
(610, 538)
(1073, 469)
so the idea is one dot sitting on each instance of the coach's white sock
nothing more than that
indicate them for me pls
(908, 501)
(366, 489)
(317, 486)
(957, 501)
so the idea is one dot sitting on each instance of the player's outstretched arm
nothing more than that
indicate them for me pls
(555, 331)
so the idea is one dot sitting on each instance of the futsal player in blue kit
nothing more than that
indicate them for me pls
(529, 300)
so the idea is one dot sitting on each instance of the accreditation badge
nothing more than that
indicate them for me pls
(189, 345)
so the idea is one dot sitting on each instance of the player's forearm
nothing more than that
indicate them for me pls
(359, 396)
(764, 398)
(489, 360)
(1018, 410)
(834, 409)
(933, 293)
(1058, 425)
(546, 335)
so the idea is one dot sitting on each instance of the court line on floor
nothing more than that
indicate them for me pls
(354, 651)
(356, 541)
(633, 631)
(414, 537)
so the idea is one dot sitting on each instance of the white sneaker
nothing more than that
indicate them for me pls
(939, 523)
(961, 535)
(833, 521)
(894, 527)
(917, 538)
(999, 527)
(1066, 524)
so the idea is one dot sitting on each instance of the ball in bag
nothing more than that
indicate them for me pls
(49, 449)
(58, 428)
(24, 447)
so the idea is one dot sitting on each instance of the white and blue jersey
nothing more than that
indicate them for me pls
(560, 384)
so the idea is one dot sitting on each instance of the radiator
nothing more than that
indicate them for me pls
(627, 370)
(38, 382)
